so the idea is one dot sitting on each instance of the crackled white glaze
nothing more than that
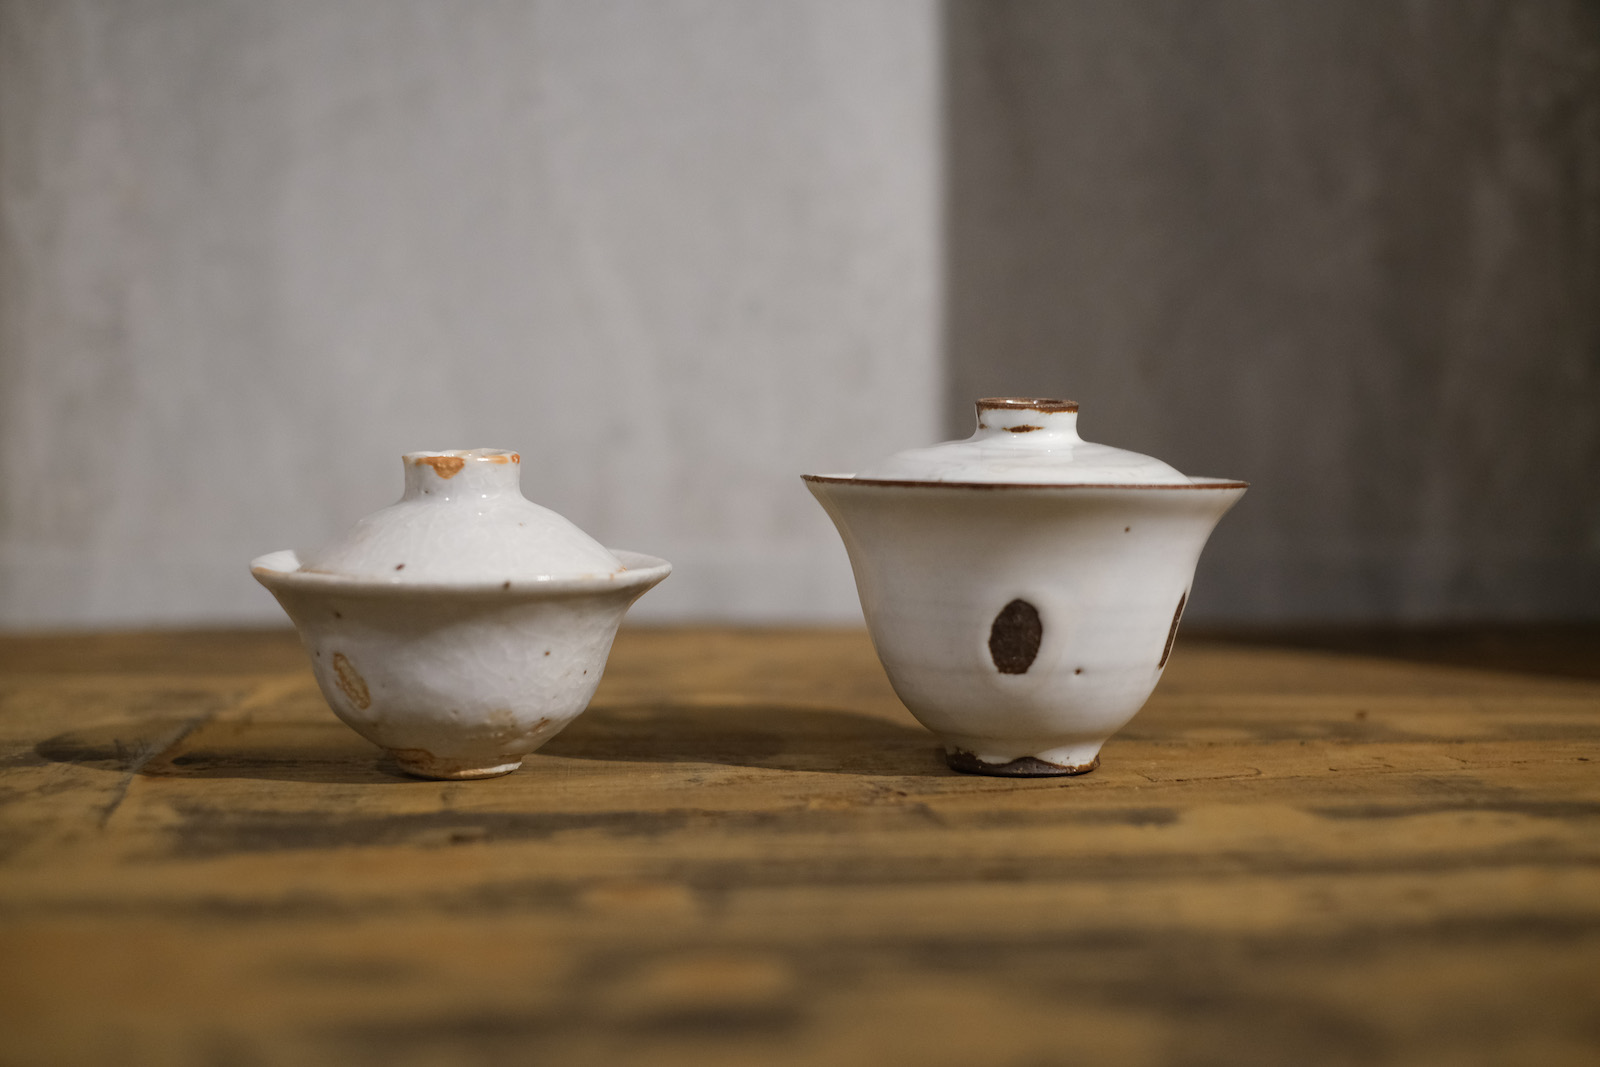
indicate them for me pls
(463, 627)
(463, 518)
(1089, 577)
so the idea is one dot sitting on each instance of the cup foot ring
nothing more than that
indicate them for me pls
(1021, 767)
(420, 763)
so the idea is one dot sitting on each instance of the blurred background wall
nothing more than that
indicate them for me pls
(679, 251)
(1347, 251)
(253, 250)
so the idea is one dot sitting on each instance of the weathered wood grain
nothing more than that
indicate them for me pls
(746, 851)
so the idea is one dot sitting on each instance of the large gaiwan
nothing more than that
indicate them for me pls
(464, 626)
(1023, 587)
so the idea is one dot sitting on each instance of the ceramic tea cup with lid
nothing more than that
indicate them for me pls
(1023, 586)
(463, 626)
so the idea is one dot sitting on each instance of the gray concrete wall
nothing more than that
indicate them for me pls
(1347, 251)
(252, 250)
(678, 251)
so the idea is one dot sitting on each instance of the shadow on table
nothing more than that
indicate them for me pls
(321, 752)
(769, 737)
(747, 735)
(1566, 650)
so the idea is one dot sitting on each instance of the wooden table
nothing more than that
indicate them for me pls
(746, 852)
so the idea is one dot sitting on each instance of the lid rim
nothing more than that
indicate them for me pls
(908, 483)
(639, 569)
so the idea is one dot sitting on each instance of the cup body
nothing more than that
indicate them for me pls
(1023, 624)
(457, 681)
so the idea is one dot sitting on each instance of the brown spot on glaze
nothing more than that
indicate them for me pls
(506, 584)
(1172, 632)
(1014, 637)
(1025, 428)
(1077, 670)
(446, 467)
(1021, 767)
(351, 684)
(399, 566)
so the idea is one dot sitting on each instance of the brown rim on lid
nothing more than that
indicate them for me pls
(1025, 403)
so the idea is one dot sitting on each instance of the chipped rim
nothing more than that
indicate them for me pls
(639, 572)
(897, 483)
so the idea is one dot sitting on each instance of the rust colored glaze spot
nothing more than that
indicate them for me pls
(446, 467)
(1014, 638)
(351, 684)
(1172, 632)
(1023, 428)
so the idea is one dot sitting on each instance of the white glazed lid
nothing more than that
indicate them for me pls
(1024, 441)
(463, 518)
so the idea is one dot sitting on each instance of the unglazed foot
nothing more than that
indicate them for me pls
(424, 764)
(1022, 767)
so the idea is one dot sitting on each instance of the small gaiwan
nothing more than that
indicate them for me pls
(462, 627)
(1023, 587)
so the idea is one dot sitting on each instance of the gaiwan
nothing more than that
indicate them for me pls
(1023, 587)
(462, 627)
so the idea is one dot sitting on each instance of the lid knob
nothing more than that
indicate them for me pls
(1027, 414)
(479, 472)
